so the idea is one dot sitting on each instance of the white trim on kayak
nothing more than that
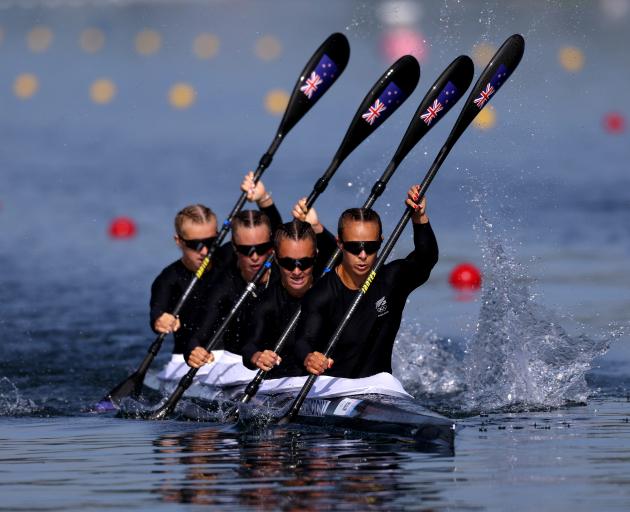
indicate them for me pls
(227, 370)
(330, 387)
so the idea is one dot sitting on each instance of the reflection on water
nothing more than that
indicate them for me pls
(288, 469)
(529, 460)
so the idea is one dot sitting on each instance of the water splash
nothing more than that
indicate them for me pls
(11, 401)
(428, 366)
(520, 355)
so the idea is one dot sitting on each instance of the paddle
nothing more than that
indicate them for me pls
(442, 95)
(389, 92)
(492, 78)
(321, 71)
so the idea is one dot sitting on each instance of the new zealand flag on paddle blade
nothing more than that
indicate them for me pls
(493, 86)
(445, 100)
(316, 83)
(380, 110)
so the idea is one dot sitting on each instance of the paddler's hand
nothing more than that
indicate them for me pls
(266, 360)
(199, 356)
(256, 192)
(166, 323)
(301, 212)
(419, 215)
(317, 363)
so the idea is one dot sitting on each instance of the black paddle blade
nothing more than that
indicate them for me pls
(320, 72)
(443, 94)
(388, 93)
(132, 385)
(496, 73)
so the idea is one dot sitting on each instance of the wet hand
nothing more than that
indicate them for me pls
(301, 212)
(166, 323)
(418, 205)
(317, 363)
(255, 191)
(266, 360)
(200, 356)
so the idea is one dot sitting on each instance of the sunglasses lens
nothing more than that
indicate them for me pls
(355, 248)
(290, 264)
(372, 247)
(195, 244)
(260, 249)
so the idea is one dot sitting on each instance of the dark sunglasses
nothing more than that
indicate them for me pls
(355, 248)
(291, 263)
(199, 243)
(248, 250)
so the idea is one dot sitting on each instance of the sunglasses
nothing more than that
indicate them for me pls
(355, 248)
(291, 263)
(260, 249)
(198, 243)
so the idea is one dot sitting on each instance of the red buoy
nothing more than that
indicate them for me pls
(465, 276)
(122, 227)
(614, 123)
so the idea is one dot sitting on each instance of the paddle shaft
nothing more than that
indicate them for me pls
(387, 249)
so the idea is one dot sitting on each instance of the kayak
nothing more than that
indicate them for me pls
(376, 404)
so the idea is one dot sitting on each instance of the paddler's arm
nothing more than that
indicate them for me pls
(311, 327)
(161, 321)
(208, 319)
(417, 266)
(253, 352)
(258, 193)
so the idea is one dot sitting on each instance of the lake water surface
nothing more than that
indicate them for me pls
(534, 368)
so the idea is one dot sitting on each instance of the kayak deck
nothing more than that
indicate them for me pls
(399, 416)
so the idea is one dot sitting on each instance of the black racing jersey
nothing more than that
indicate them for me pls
(227, 287)
(272, 314)
(365, 346)
(169, 286)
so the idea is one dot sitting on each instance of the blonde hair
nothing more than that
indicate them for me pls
(196, 213)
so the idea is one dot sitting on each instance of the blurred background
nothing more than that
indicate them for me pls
(134, 109)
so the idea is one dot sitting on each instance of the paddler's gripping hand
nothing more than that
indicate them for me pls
(266, 360)
(301, 212)
(256, 192)
(199, 356)
(317, 363)
(166, 323)
(419, 215)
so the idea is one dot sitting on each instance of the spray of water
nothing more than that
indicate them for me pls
(12, 403)
(520, 355)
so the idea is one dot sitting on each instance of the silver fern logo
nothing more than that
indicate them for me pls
(381, 306)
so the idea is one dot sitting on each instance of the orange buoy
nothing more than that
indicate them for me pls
(465, 276)
(614, 123)
(122, 227)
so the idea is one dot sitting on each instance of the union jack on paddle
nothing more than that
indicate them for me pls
(320, 79)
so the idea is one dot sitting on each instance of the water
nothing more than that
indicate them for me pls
(535, 368)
